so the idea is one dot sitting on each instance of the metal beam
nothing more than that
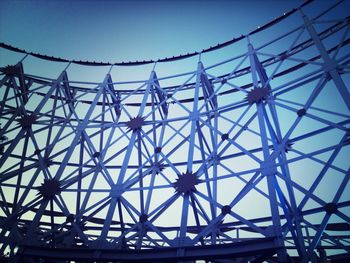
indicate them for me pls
(230, 251)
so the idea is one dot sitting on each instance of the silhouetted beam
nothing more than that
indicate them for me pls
(233, 250)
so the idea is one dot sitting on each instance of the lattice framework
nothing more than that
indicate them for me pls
(206, 169)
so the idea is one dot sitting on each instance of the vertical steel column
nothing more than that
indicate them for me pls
(268, 168)
(194, 115)
(154, 138)
(117, 188)
(276, 136)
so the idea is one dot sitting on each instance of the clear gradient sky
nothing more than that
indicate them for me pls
(130, 30)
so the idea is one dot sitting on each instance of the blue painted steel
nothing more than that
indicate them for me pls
(241, 132)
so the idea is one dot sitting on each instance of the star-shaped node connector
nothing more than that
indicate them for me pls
(49, 188)
(136, 123)
(186, 183)
(257, 95)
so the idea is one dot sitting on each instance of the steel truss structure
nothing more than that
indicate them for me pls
(248, 165)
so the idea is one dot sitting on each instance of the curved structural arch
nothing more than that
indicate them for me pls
(166, 59)
(242, 161)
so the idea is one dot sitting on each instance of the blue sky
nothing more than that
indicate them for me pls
(130, 30)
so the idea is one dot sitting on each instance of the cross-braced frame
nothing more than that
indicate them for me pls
(247, 165)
